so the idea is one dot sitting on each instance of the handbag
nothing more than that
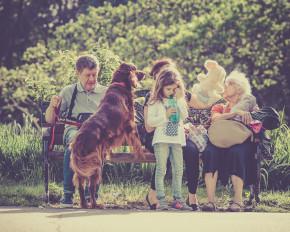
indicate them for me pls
(198, 135)
(226, 133)
(268, 116)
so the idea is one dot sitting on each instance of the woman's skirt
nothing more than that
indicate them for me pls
(238, 160)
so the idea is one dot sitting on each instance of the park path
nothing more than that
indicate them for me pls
(13, 219)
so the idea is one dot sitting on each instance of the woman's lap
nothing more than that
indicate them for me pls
(191, 161)
(229, 161)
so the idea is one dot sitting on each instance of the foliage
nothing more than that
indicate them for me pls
(21, 160)
(44, 74)
(252, 36)
(25, 22)
(127, 196)
(20, 152)
(276, 173)
(116, 173)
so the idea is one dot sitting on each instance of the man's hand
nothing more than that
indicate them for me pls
(54, 101)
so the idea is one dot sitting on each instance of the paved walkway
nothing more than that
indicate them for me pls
(14, 219)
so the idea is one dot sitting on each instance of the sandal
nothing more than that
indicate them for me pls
(239, 207)
(151, 206)
(209, 207)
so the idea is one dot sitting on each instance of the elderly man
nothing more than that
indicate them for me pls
(74, 101)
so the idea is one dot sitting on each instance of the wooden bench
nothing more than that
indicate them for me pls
(51, 154)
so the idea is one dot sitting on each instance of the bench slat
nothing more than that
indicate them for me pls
(129, 158)
(113, 158)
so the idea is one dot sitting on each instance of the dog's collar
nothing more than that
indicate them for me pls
(120, 84)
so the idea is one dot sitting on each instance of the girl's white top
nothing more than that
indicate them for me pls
(157, 118)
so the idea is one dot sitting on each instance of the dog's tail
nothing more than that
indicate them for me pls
(88, 165)
(87, 151)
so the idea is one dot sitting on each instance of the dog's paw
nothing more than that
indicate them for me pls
(84, 205)
(93, 205)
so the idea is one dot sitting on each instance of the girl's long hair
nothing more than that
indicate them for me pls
(167, 76)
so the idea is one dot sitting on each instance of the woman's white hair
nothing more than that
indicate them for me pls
(241, 80)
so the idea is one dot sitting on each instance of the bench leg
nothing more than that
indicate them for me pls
(46, 170)
(255, 188)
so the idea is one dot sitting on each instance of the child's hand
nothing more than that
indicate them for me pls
(55, 101)
(178, 92)
(170, 111)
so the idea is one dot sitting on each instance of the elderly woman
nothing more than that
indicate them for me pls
(222, 163)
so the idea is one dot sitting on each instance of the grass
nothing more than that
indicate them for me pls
(20, 152)
(21, 159)
(129, 196)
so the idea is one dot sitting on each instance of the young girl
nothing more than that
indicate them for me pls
(166, 111)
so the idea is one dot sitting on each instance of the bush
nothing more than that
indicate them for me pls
(276, 173)
(20, 152)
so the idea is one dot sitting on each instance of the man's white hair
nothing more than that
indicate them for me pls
(241, 80)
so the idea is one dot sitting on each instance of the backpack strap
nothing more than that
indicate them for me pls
(72, 103)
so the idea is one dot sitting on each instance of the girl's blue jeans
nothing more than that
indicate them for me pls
(174, 151)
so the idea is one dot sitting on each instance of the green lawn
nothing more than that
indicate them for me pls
(129, 196)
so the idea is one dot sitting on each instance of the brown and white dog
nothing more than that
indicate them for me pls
(109, 127)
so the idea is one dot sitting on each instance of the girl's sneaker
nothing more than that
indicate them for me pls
(180, 205)
(163, 205)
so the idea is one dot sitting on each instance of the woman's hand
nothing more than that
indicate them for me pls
(246, 117)
(186, 128)
(197, 104)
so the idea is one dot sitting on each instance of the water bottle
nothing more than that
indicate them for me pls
(172, 125)
(173, 104)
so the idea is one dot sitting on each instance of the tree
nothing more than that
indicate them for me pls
(23, 23)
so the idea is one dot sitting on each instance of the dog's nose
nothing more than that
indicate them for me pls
(140, 75)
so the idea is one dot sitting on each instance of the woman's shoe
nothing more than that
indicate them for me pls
(209, 207)
(235, 207)
(194, 207)
(151, 206)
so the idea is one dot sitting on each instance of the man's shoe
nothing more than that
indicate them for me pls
(66, 202)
